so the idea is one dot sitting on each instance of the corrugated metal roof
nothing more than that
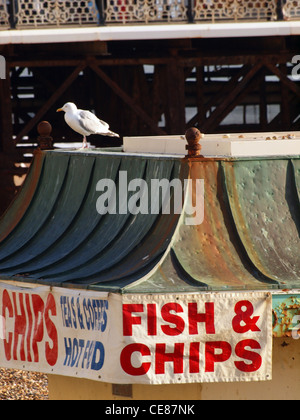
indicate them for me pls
(249, 238)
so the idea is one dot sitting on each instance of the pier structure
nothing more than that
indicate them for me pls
(151, 67)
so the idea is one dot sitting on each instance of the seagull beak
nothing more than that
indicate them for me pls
(59, 109)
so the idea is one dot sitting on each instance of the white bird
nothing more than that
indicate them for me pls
(85, 122)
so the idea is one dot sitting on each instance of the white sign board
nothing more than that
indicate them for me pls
(148, 339)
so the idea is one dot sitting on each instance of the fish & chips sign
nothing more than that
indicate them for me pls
(149, 339)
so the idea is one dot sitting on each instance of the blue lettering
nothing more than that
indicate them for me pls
(87, 313)
(89, 354)
(86, 355)
(99, 348)
(65, 310)
(74, 352)
(79, 314)
(68, 349)
(73, 312)
(85, 310)
(104, 315)
(81, 346)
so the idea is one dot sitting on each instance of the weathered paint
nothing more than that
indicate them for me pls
(210, 252)
(249, 238)
(265, 207)
(286, 315)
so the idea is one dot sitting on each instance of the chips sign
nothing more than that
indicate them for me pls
(145, 338)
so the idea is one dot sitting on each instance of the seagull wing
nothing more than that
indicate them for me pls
(89, 122)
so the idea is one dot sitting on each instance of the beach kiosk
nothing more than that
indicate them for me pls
(166, 269)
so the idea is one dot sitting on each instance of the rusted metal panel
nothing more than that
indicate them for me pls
(265, 208)
(210, 252)
(296, 171)
(247, 240)
(286, 315)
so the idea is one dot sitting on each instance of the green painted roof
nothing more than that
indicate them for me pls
(249, 238)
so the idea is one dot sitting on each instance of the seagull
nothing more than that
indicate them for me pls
(85, 122)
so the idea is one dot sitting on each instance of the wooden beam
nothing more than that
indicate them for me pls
(284, 79)
(285, 102)
(196, 59)
(175, 93)
(200, 116)
(69, 62)
(6, 136)
(230, 101)
(158, 101)
(251, 86)
(127, 99)
(218, 98)
(263, 115)
(276, 123)
(50, 102)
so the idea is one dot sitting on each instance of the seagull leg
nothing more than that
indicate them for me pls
(84, 144)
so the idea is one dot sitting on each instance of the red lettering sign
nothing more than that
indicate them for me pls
(29, 315)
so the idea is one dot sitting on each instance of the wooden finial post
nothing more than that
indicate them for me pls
(45, 141)
(193, 136)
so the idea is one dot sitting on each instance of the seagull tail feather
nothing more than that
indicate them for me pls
(112, 134)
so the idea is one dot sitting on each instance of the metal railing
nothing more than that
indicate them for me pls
(4, 16)
(49, 13)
